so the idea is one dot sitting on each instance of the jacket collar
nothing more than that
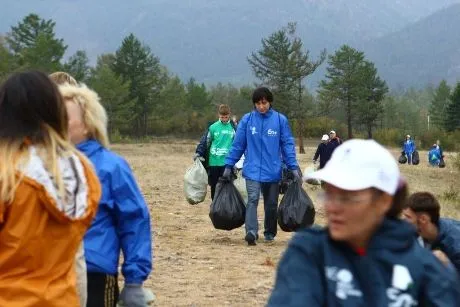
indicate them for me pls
(89, 147)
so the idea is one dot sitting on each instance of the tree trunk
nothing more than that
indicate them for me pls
(349, 120)
(300, 121)
(369, 132)
(300, 135)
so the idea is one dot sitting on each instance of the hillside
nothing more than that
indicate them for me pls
(210, 39)
(422, 53)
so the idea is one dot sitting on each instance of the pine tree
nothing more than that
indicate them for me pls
(439, 105)
(452, 120)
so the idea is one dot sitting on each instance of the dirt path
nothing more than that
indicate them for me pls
(196, 265)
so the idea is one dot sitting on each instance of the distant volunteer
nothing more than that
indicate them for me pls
(216, 145)
(409, 148)
(322, 152)
(366, 255)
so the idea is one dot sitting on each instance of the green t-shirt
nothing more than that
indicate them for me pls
(220, 139)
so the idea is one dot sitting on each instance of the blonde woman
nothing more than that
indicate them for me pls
(122, 222)
(48, 195)
(80, 263)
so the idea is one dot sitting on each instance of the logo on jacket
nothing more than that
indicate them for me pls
(344, 283)
(271, 132)
(400, 282)
(253, 130)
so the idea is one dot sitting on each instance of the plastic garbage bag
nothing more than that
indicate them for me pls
(442, 163)
(227, 210)
(195, 183)
(402, 158)
(296, 209)
(240, 184)
(307, 171)
(415, 158)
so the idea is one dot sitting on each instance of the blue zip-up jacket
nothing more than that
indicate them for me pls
(395, 271)
(434, 156)
(122, 221)
(264, 139)
(409, 147)
(448, 240)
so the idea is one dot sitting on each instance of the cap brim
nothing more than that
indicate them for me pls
(339, 180)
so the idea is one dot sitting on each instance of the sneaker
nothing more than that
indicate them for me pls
(269, 237)
(250, 238)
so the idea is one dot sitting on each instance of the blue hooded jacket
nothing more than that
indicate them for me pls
(266, 140)
(122, 220)
(448, 240)
(394, 271)
(434, 156)
(409, 146)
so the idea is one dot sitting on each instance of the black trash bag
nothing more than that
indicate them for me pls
(402, 158)
(227, 210)
(296, 209)
(286, 179)
(442, 164)
(415, 158)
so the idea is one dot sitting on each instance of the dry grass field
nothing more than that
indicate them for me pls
(196, 265)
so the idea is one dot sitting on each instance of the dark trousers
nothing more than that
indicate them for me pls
(102, 290)
(214, 173)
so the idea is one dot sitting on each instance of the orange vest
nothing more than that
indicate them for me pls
(39, 239)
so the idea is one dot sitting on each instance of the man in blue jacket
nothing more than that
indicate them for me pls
(409, 148)
(265, 136)
(439, 233)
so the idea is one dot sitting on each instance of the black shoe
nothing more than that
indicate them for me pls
(250, 238)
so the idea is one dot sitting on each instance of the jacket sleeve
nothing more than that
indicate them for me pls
(288, 145)
(441, 285)
(299, 276)
(239, 143)
(451, 247)
(202, 147)
(317, 152)
(133, 225)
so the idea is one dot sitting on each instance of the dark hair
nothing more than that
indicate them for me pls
(260, 93)
(425, 202)
(30, 101)
(399, 202)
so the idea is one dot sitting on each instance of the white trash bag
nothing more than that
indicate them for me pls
(195, 183)
(240, 185)
(307, 171)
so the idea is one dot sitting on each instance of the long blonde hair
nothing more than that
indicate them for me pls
(94, 114)
(32, 113)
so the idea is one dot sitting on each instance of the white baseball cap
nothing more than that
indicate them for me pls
(360, 164)
(332, 131)
(325, 137)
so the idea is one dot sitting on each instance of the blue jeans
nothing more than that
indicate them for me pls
(270, 192)
(409, 157)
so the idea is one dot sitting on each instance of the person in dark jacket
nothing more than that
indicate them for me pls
(334, 142)
(122, 222)
(366, 256)
(322, 152)
(264, 136)
(437, 233)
